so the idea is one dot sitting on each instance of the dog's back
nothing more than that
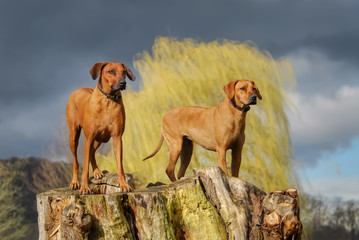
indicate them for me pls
(195, 123)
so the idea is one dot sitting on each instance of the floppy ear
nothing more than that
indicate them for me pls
(229, 89)
(129, 73)
(257, 92)
(96, 69)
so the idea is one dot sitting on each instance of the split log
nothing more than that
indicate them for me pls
(208, 205)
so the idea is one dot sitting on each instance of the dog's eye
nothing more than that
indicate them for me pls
(254, 89)
(111, 71)
(242, 88)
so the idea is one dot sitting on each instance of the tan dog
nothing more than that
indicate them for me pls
(217, 129)
(101, 115)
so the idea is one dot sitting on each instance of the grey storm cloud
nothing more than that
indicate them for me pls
(48, 47)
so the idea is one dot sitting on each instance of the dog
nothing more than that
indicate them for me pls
(101, 114)
(217, 129)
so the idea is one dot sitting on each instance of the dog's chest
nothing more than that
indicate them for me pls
(231, 132)
(238, 127)
(106, 109)
(106, 130)
(107, 119)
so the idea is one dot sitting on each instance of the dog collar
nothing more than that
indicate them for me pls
(246, 109)
(113, 97)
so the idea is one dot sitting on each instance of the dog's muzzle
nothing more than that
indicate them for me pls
(120, 86)
(253, 100)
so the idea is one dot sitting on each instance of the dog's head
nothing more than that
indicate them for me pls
(244, 92)
(112, 74)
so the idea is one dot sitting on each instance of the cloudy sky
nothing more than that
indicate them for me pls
(47, 48)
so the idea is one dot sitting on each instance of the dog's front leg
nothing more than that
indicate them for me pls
(237, 157)
(75, 172)
(88, 151)
(96, 171)
(117, 146)
(236, 162)
(221, 156)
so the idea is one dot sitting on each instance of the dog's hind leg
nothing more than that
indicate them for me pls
(175, 150)
(185, 156)
(96, 171)
(74, 136)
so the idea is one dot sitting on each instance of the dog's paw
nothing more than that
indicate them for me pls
(85, 190)
(98, 174)
(74, 185)
(125, 188)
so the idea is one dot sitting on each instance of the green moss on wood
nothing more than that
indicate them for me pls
(193, 214)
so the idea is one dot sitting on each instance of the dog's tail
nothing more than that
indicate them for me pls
(156, 150)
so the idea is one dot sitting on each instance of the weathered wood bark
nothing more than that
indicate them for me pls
(208, 205)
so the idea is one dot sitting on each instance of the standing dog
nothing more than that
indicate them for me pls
(217, 129)
(101, 115)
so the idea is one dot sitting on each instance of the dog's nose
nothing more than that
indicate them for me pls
(122, 82)
(253, 97)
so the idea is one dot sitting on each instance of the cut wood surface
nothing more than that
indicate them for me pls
(207, 205)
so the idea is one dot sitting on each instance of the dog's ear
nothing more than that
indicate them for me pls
(129, 73)
(229, 89)
(96, 69)
(257, 92)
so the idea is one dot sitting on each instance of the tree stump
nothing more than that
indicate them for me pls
(75, 224)
(208, 205)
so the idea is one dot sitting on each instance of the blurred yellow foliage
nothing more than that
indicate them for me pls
(191, 73)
